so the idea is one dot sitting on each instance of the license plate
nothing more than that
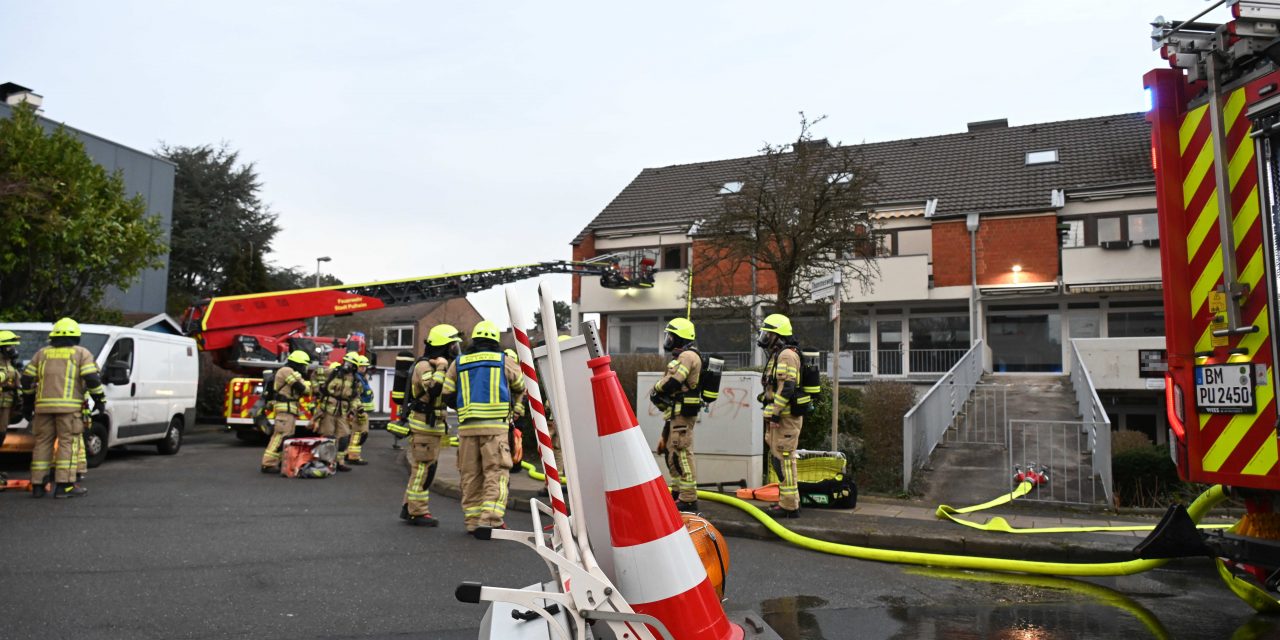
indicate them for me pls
(1225, 388)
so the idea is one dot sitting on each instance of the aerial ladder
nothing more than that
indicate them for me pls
(253, 333)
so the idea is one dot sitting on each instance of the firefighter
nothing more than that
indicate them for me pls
(426, 423)
(289, 385)
(362, 407)
(677, 394)
(9, 378)
(482, 385)
(781, 380)
(515, 436)
(341, 392)
(54, 384)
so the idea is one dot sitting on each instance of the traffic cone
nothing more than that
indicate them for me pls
(657, 568)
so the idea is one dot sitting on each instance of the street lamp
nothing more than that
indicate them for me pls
(315, 322)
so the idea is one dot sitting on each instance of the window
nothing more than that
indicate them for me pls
(840, 177)
(1072, 233)
(730, 188)
(122, 354)
(398, 336)
(673, 258)
(1046, 156)
(1135, 324)
(1109, 230)
(914, 242)
(1143, 226)
(635, 335)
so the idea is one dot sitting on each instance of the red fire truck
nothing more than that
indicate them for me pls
(253, 333)
(1215, 149)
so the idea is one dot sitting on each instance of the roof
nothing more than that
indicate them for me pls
(981, 171)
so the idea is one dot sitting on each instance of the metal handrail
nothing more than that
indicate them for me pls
(1098, 423)
(925, 424)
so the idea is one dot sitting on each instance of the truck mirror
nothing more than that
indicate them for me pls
(116, 373)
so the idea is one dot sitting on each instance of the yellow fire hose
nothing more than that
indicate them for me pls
(999, 524)
(1257, 598)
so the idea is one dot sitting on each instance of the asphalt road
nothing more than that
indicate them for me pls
(201, 545)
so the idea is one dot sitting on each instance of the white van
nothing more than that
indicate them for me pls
(150, 379)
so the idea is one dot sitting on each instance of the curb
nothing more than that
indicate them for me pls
(897, 534)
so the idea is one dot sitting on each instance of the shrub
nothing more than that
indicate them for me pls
(628, 365)
(211, 395)
(1122, 441)
(1144, 476)
(883, 406)
(817, 425)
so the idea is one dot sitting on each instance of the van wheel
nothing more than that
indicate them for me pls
(95, 444)
(172, 438)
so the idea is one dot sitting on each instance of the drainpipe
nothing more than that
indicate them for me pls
(971, 223)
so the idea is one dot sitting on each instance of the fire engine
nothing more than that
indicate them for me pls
(1215, 149)
(250, 334)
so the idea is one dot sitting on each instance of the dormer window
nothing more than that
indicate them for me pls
(1047, 156)
(731, 187)
(840, 177)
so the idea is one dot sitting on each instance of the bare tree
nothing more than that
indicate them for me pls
(799, 210)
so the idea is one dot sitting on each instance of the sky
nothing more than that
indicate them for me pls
(414, 138)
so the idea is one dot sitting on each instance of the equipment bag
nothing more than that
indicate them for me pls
(309, 458)
(840, 492)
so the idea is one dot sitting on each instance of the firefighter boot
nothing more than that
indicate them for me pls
(404, 511)
(777, 512)
(68, 490)
(38, 487)
(687, 507)
(275, 469)
(424, 520)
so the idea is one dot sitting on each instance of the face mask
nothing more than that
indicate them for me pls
(764, 339)
(670, 343)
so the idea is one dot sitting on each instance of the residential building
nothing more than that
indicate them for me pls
(1026, 237)
(144, 175)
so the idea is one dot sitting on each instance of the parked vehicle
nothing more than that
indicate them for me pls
(150, 379)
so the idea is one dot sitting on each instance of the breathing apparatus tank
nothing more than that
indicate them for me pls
(709, 382)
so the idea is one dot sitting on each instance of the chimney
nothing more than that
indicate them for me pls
(15, 94)
(1002, 123)
(811, 145)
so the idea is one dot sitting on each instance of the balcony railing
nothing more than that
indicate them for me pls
(856, 363)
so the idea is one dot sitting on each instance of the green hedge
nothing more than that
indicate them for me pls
(1144, 477)
(883, 406)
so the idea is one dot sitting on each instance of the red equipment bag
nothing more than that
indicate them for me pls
(309, 458)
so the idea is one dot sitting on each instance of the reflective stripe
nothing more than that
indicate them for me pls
(627, 455)
(672, 557)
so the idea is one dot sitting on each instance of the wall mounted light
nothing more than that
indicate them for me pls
(1017, 268)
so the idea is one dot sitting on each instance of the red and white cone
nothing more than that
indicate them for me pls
(658, 570)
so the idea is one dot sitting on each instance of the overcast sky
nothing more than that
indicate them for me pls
(413, 138)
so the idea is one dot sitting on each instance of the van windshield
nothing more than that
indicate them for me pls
(29, 342)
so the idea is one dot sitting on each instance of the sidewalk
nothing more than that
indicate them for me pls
(905, 525)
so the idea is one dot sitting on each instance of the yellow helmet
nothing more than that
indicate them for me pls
(300, 357)
(8, 338)
(352, 358)
(485, 330)
(65, 328)
(511, 353)
(363, 360)
(777, 323)
(562, 338)
(443, 334)
(681, 328)
(334, 365)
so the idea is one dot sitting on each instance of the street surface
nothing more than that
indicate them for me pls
(201, 545)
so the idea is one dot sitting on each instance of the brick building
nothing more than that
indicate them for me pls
(1058, 220)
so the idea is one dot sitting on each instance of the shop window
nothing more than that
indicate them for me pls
(1135, 323)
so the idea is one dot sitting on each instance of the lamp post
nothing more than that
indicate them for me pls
(315, 322)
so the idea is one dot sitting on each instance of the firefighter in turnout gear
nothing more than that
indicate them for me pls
(483, 385)
(678, 396)
(427, 421)
(9, 379)
(782, 429)
(289, 385)
(363, 406)
(340, 393)
(54, 384)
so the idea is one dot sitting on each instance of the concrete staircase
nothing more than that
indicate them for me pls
(961, 471)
